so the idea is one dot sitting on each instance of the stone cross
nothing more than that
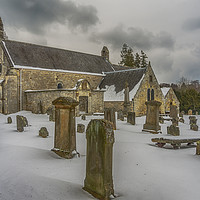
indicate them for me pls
(100, 140)
(131, 118)
(65, 132)
(152, 117)
(109, 114)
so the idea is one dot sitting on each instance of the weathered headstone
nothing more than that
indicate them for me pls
(43, 132)
(109, 114)
(9, 120)
(198, 148)
(131, 118)
(65, 132)
(194, 127)
(51, 113)
(189, 112)
(173, 111)
(193, 120)
(21, 123)
(83, 117)
(173, 130)
(152, 117)
(100, 139)
(80, 128)
(120, 115)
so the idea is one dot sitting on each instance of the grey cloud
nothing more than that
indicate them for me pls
(134, 37)
(191, 24)
(36, 15)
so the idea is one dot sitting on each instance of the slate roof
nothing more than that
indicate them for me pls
(31, 55)
(119, 78)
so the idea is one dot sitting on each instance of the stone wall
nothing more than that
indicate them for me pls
(149, 82)
(118, 105)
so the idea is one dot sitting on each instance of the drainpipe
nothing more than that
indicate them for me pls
(20, 89)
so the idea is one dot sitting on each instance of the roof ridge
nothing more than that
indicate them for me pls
(126, 70)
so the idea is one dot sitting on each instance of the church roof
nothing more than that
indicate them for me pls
(114, 83)
(36, 56)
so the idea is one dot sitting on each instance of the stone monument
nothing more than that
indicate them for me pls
(131, 118)
(173, 111)
(193, 123)
(126, 100)
(65, 132)
(43, 132)
(152, 117)
(100, 139)
(9, 120)
(21, 123)
(109, 114)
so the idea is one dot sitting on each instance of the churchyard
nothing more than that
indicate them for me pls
(141, 170)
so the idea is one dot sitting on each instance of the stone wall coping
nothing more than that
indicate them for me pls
(48, 90)
(65, 101)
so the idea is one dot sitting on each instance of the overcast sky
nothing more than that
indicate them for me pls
(168, 31)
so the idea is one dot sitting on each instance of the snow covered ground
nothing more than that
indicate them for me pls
(141, 171)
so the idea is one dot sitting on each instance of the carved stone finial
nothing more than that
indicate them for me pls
(105, 53)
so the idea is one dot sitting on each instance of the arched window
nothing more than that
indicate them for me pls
(148, 95)
(60, 86)
(152, 94)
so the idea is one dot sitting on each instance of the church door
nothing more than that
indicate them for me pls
(83, 104)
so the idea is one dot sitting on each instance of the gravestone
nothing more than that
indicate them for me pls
(152, 117)
(175, 121)
(51, 113)
(131, 118)
(109, 114)
(100, 140)
(173, 111)
(80, 128)
(194, 127)
(198, 148)
(193, 120)
(181, 115)
(9, 120)
(21, 123)
(83, 117)
(65, 132)
(43, 132)
(190, 112)
(173, 130)
(120, 115)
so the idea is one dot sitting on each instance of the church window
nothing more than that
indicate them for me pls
(152, 94)
(148, 95)
(60, 86)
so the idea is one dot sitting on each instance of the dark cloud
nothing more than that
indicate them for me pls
(191, 24)
(36, 15)
(134, 37)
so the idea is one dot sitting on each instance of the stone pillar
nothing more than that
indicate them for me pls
(173, 111)
(65, 132)
(152, 117)
(100, 139)
(131, 118)
(127, 103)
(109, 114)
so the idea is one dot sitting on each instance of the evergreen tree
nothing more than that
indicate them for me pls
(127, 56)
(143, 59)
(137, 60)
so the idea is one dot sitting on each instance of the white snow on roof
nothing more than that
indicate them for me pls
(56, 70)
(165, 90)
(8, 53)
(111, 95)
(1, 81)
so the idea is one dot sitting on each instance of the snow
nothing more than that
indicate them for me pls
(1, 81)
(29, 170)
(165, 90)
(111, 95)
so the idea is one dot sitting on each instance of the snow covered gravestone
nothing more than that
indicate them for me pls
(109, 114)
(100, 139)
(65, 132)
(131, 118)
(152, 117)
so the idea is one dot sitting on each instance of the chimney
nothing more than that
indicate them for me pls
(105, 53)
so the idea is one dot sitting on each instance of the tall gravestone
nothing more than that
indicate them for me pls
(109, 114)
(21, 123)
(131, 118)
(126, 100)
(173, 111)
(65, 132)
(152, 117)
(100, 140)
